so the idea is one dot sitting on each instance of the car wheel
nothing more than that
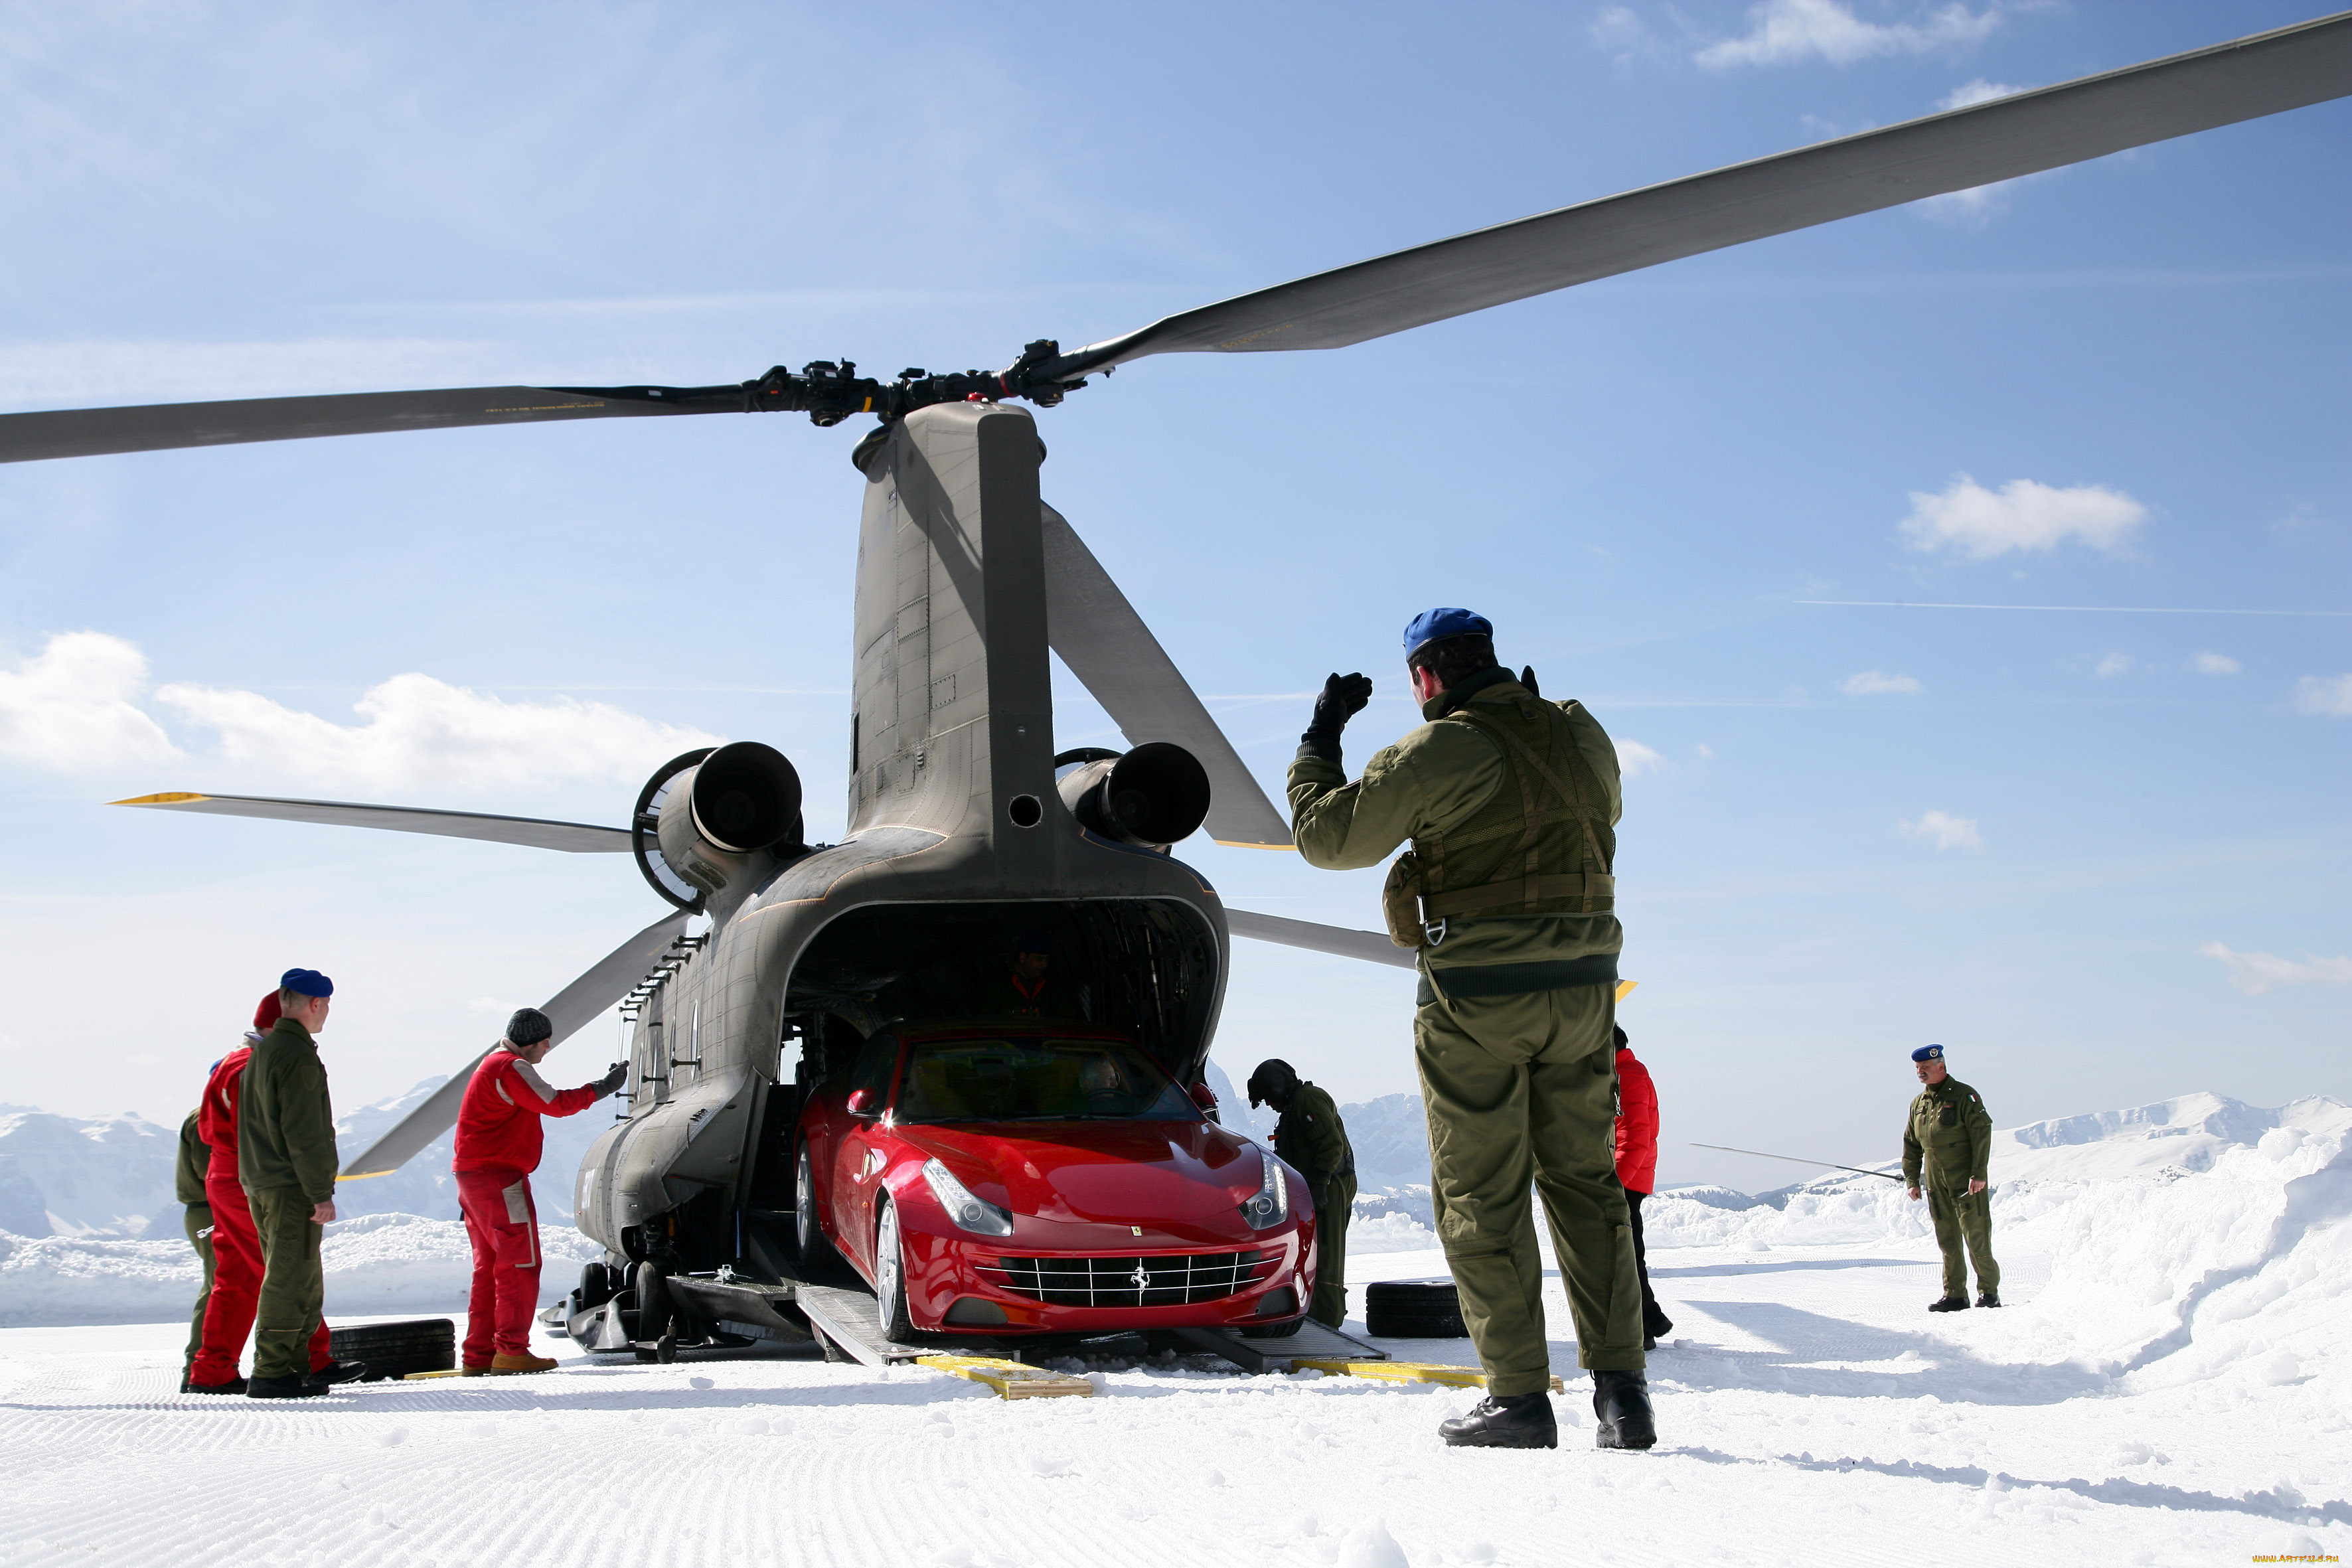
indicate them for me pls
(652, 1301)
(890, 1276)
(808, 1234)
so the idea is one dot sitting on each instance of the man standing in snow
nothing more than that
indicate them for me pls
(1511, 803)
(286, 1161)
(188, 1187)
(1945, 1145)
(1311, 1137)
(1637, 1171)
(500, 1138)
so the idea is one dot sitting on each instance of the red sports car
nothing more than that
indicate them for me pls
(1031, 1178)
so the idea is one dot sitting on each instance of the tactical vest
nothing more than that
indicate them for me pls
(1541, 846)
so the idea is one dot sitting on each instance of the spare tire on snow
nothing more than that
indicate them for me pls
(395, 1350)
(1413, 1309)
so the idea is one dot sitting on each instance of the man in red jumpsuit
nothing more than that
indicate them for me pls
(499, 1141)
(237, 1246)
(1637, 1171)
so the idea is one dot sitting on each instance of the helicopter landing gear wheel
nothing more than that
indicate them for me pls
(652, 1301)
(890, 1276)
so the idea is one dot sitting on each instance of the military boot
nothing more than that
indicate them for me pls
(1620, 1407)
(282, 1388)
(1504, 1421)
(233, 1385)
(1948, 1304)
(1988, 1298)
(336, 1372)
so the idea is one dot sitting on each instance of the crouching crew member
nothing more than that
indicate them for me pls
(1946, 1141)
(236, 1250)
(1511, 805)
(1637, 1172)
(286, 1161)
(188, 1187)
(499, 1142)
(1311, 1137)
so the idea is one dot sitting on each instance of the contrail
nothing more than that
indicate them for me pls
(2084, 609)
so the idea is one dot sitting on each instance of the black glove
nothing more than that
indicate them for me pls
(1342, 698)
(613, 1079)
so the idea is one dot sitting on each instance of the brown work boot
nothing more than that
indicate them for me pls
(471, 1370)
(505, 1365)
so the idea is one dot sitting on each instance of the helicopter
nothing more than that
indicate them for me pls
(966, 829)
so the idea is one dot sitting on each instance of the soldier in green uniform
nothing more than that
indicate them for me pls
(188, 1187)
(1311, 1137)
(1511, 806)
(1945, 1143)
(286, 1163)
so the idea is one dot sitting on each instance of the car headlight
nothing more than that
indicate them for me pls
(1271, 1206)
(967, 1211)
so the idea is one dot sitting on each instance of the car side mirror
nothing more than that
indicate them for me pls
(1205, 1097)
(861, 1102)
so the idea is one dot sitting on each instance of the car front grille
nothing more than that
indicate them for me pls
(1180, 1280)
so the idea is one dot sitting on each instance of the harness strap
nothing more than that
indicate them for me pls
(1572, 791)
(1518, 889)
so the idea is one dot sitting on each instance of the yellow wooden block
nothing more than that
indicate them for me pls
(1408, 1372)
(413, 1376)
(1011, 1379)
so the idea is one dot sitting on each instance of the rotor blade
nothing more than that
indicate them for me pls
(153, 427)
(572, 1007)
(575, 837)
(1368, 945)
(1795, 1160)
(2022, 134)
(1107, 645)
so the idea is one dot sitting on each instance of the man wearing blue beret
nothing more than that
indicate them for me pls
(1946, 1143)
(1511, 804)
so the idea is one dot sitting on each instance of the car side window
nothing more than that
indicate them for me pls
(875, 1058)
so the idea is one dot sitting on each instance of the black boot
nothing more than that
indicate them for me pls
(233, 1385)
(1509, 1421)
(1948, 1304)
(336, 1372)
(281, 1388)
(1988, 1298)
(1621, 1406)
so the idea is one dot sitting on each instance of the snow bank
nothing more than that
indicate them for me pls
(378, 1263)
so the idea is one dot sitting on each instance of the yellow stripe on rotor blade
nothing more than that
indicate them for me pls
(169, 797)
(1246, 844)
(1405, 1372)
(359, 1176)
(1625, 988)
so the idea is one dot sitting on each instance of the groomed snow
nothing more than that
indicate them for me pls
(2167, 1386)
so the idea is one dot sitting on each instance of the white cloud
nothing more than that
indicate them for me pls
(1706, 751)
(2115, 664)
(2327, 694)
(2022, 515)
(421, 733)
(1877, 683)
(1781, 31)
(73, 707)
(1946, 832)
(2255, 973)
(2215, 664)
(1634, 759)
(1970, 94)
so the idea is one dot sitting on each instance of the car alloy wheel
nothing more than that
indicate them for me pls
(808, 1235)
(890, 1276)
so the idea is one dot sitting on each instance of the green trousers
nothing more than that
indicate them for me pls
(1332, 1213)
(293, 1283)
(1520, 1091)
(1961, 1216)
(198, 1220)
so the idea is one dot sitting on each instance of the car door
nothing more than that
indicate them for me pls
(856, 1176)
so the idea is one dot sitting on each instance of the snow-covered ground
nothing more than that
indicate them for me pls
(2169, 1385)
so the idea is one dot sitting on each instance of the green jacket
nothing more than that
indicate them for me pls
(1435, 780)
(195, 1158)
(1311, 1137)
(1950, 1129)
(285, 1122)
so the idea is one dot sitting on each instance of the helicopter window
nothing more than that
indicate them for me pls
(1039, 1079)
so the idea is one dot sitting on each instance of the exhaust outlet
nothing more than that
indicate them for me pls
(1155, 795)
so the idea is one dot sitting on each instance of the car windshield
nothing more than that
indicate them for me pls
(1038, 1079)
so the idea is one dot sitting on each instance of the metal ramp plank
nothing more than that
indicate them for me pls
(1312, 1342)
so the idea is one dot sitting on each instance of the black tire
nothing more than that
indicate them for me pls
(808, 1236)
(890, 1276)
(1413, 1309)
(395, 1350)
(652, 1301)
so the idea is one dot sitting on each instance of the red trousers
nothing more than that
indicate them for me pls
(236, 1286)
(503, 1225)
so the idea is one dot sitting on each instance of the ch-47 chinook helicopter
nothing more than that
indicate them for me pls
(965, 828)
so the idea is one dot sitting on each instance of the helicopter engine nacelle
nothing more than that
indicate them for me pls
(1153, 796)
(721, 814)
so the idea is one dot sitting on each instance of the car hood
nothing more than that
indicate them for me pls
(1122, 1173)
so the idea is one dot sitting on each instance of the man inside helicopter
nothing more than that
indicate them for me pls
(1027, 987)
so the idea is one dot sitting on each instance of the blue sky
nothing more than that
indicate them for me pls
(2102, 856)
